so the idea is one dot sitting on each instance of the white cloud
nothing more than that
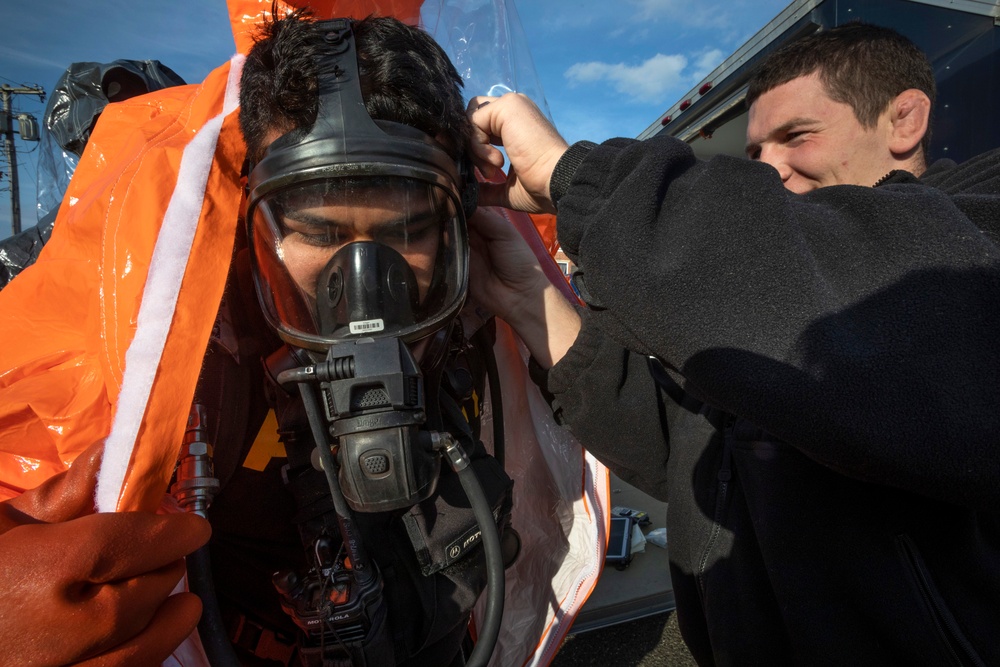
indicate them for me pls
(705, 63)
(699, 15)
(646, 82)
(31, 58)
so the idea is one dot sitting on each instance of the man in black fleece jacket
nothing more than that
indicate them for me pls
(807, 343)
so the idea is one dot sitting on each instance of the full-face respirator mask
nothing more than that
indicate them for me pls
(359, 246)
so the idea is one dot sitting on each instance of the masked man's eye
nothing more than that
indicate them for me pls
(320, 234)
(318, 240)
(411, 232)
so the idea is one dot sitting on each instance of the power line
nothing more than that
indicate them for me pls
(20, 84)
(25, 123)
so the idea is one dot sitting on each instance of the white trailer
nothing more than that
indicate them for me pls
(961, 38)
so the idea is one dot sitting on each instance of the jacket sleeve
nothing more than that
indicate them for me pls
(605, 395)
(858, 324)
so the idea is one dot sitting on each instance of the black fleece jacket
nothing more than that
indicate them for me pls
(823, 411)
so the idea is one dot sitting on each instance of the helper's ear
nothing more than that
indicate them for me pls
(909, 114)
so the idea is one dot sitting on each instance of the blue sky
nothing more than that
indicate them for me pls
(605, 68)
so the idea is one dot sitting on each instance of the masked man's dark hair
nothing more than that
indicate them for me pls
(405, 77)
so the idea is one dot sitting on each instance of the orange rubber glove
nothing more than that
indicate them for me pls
(92, 589)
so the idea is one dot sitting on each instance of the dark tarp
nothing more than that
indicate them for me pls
(85, 89)
(77, 99)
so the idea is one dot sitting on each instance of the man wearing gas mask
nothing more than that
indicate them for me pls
(356, 202)
(350, 541)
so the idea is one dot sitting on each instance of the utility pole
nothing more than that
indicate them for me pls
(6, 92)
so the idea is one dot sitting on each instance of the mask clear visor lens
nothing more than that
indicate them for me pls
(360, 256)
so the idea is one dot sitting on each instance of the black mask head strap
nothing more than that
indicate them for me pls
(344, 137)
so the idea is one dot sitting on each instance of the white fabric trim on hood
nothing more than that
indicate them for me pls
(159, 297)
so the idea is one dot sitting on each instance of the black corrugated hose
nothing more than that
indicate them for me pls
(211, 628)
(490, 630)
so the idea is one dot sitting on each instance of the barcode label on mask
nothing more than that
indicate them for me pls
(367, 326)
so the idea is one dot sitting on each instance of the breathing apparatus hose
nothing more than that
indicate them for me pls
(490, 630)
(211, 629)
(194, 489)
(352, 541)
(459, 462)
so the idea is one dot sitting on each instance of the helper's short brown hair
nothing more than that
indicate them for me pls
(862, 65)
